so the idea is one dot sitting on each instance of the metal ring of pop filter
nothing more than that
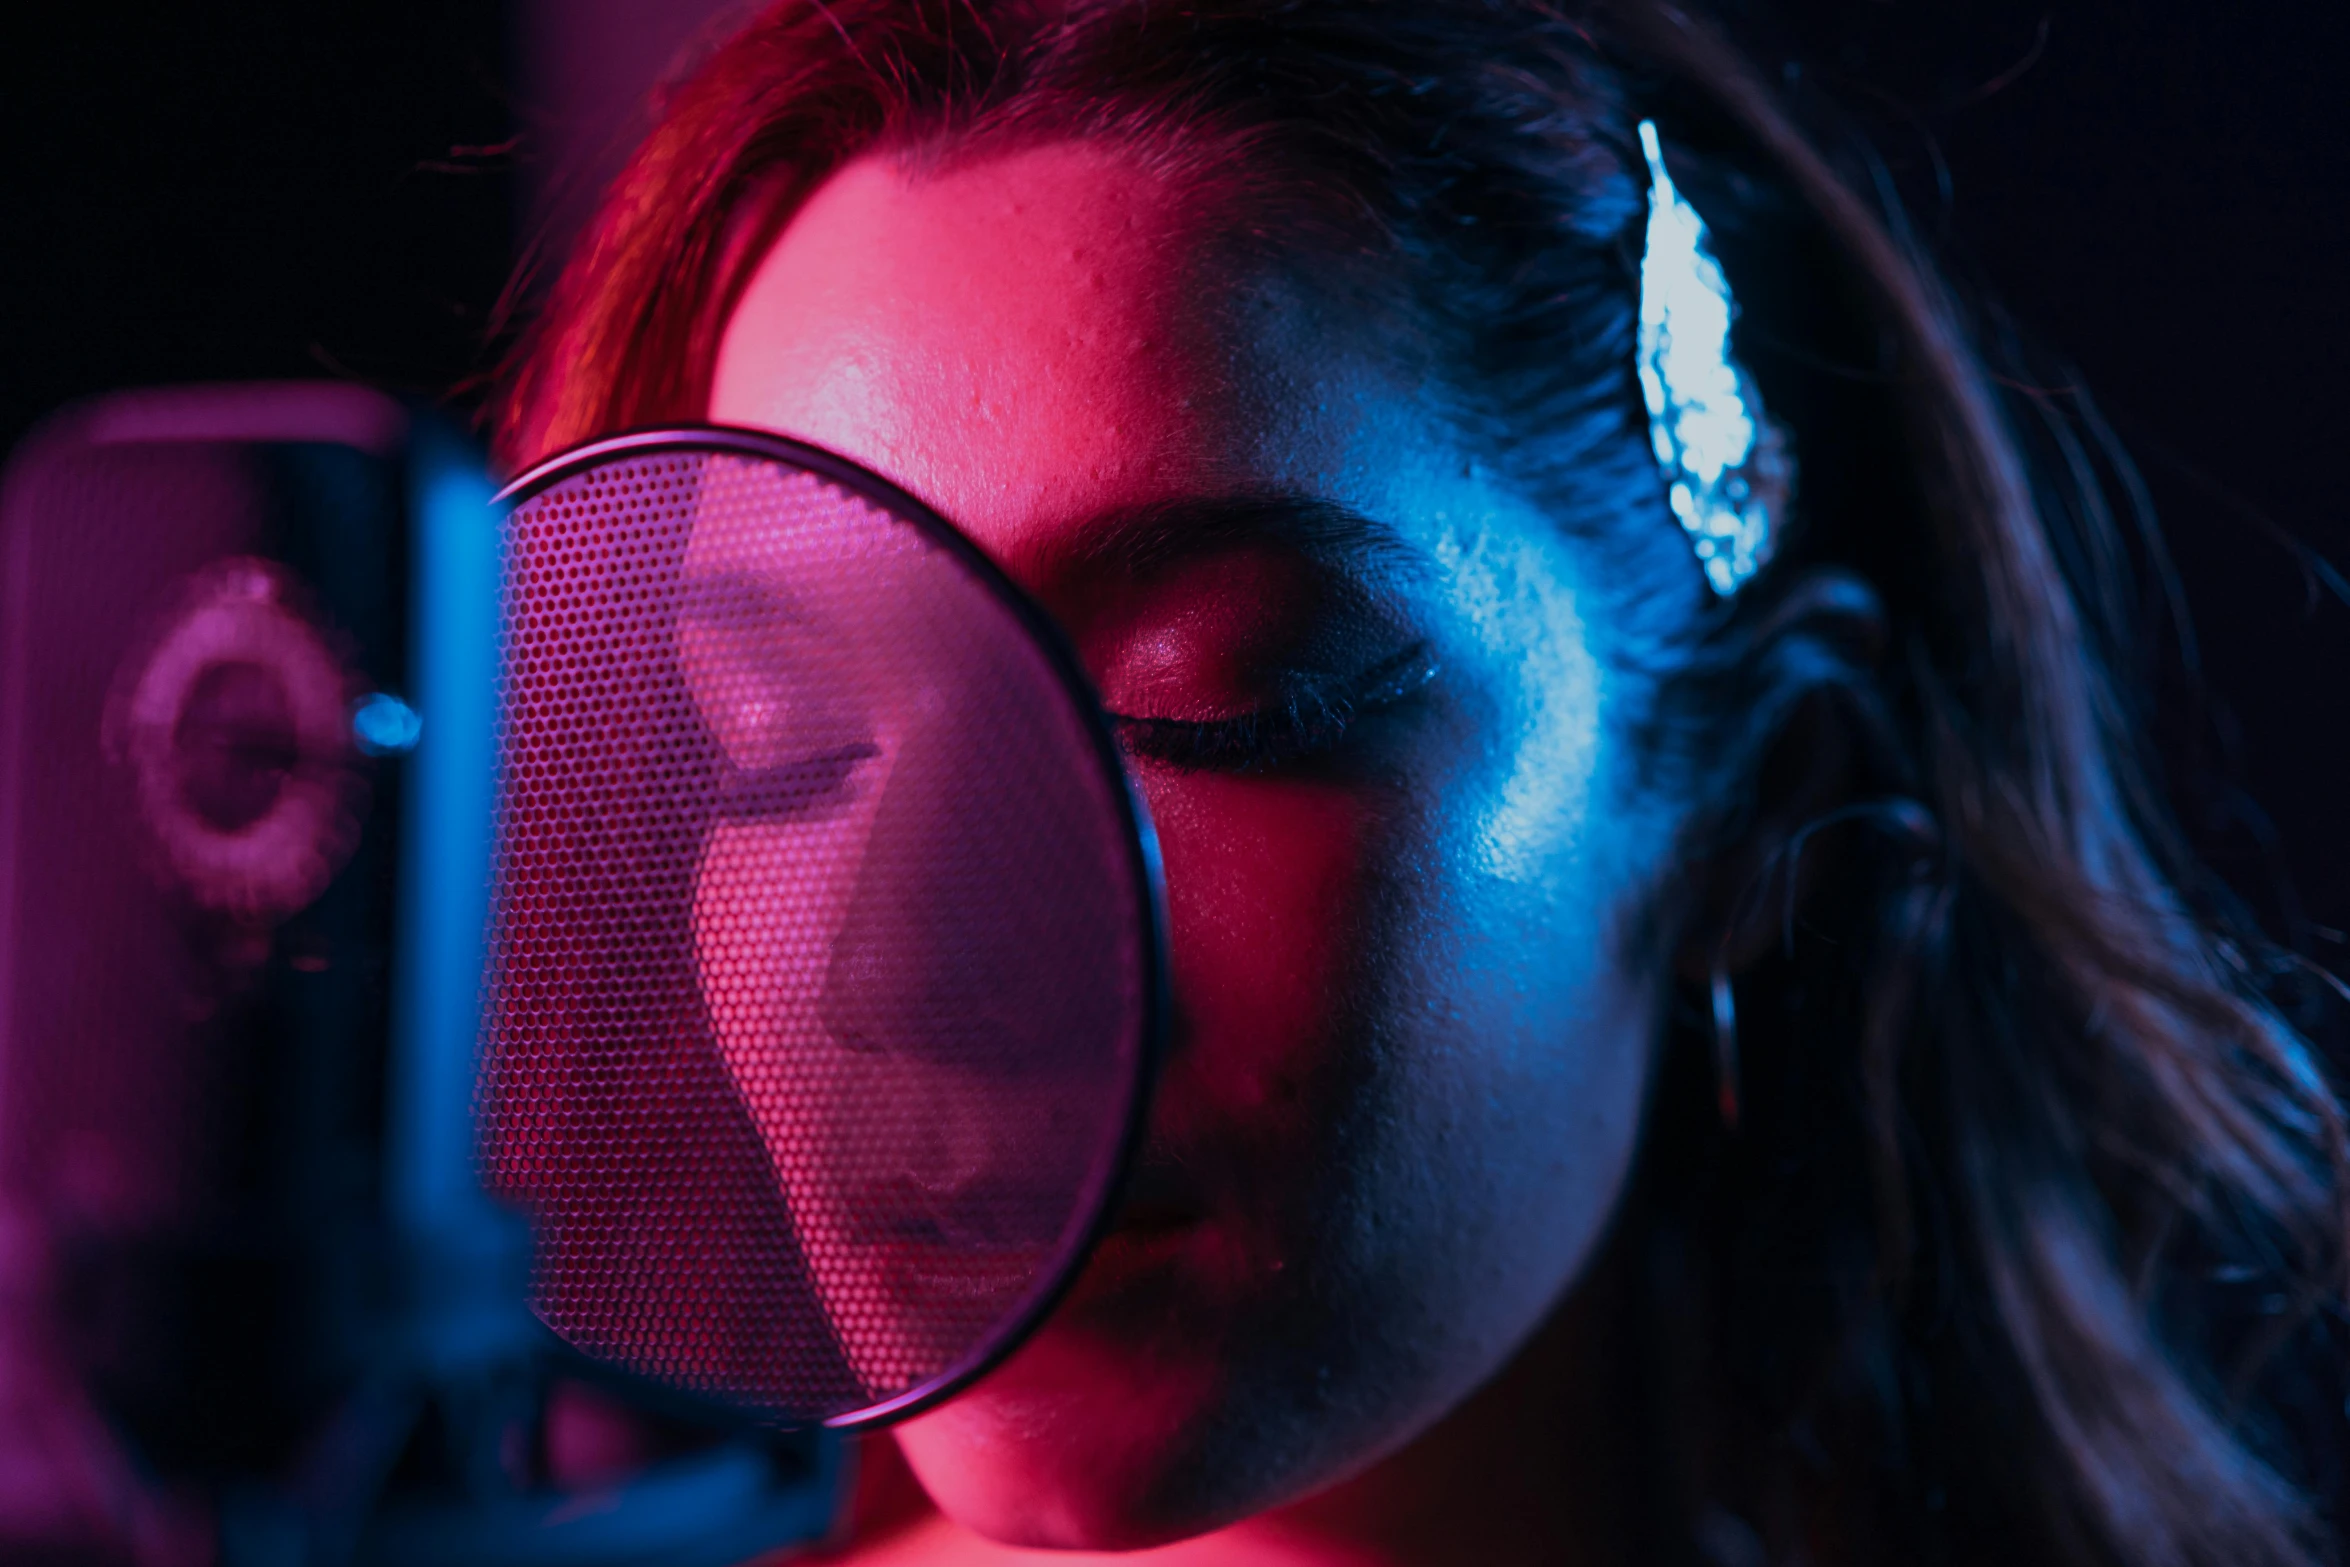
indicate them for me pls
(827, 969)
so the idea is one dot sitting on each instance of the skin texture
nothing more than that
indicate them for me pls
(1413, 1031)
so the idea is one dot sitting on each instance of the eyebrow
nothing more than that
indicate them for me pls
(1141, 540)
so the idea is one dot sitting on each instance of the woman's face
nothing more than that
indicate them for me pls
(1405, 861)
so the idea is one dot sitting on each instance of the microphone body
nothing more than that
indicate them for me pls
(249, 667)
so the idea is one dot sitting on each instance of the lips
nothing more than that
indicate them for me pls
(987, 1213)
(924, 1277)
(982, 1245)
(1161, 1216)
(982, 1241)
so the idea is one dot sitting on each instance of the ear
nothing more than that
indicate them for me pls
(1796, 691)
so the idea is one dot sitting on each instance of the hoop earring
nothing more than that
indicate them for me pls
(1726, 1083)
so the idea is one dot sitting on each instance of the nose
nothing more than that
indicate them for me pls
(959, 940)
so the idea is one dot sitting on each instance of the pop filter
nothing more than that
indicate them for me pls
(826, 970)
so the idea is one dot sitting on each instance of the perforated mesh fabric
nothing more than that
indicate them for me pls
(819, 1002)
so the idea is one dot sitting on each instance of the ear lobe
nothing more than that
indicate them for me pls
(1807, 772)
(1797, 731)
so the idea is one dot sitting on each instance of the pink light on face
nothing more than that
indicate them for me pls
(1408, 1059)
(925, 331)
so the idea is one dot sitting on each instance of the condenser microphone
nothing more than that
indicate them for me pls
(255, 1306)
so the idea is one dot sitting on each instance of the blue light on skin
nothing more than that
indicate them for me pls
(386, 726)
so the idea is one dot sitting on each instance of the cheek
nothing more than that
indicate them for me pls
(1265, 888)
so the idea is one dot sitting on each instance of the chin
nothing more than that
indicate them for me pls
(1064, 1448)
(1142, 1416)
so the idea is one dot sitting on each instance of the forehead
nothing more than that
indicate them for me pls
(1034, 339)
(1050, 345)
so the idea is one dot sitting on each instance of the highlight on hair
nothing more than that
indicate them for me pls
(2030, 1243)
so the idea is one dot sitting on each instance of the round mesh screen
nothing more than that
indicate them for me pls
(824, 960)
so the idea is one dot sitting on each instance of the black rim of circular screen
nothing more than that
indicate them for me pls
(1142, 842)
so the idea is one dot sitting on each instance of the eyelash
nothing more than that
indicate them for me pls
(1308, 722)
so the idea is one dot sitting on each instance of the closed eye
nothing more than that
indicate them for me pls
(806, 787)
(1312, 719)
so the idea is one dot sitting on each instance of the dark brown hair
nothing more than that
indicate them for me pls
(2029, 1243)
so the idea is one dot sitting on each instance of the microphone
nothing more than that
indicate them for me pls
(255, 1305)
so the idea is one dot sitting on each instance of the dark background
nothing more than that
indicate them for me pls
(2155, 191)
